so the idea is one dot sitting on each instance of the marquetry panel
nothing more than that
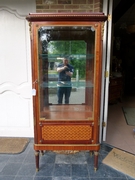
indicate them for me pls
(67, 132)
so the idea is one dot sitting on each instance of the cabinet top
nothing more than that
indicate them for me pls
(32, 17)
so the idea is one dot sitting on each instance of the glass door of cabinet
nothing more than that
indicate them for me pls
(79, 44)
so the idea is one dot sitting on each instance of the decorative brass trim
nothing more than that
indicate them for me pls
(42, 153)
(36, 153)
(30, 30)
(42, 119)
(68, 145)
(64, 120)
(91, 153)
(96, 153)
(95, 169)
(102, 29)
(89, 118)
(104, 124)
(63, 16)
(41, 141)
(66, 151)
(66, 15)
(106, 74)
(40, 124)
(109, 17)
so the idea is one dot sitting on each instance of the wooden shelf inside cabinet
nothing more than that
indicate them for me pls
(64, 125)
(115, 89)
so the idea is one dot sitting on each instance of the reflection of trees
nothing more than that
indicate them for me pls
(45, 37)
(75, 49)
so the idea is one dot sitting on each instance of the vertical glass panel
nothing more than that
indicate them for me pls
(66, 72)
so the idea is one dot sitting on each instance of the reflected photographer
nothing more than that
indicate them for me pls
(64, 85)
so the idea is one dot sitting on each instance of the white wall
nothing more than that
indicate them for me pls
(16, 110)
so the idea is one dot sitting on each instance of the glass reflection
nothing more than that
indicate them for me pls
(78, 43)
(78, 61)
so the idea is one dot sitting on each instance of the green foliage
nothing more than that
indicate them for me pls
(75, 49)
(80, 66)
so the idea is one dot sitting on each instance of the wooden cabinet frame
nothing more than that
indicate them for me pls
(54, 127)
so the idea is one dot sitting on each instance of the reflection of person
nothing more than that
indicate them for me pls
(65, 71)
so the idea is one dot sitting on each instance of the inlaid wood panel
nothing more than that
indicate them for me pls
(67, 132)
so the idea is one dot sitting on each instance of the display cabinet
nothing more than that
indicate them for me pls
(73, 126)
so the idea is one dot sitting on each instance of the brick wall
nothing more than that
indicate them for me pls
(70, 6)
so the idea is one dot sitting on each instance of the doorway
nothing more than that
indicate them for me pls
(119, 133)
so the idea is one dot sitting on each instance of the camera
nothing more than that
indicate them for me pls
(67, 69)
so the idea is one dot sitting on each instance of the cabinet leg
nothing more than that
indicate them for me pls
(95, 160)
(42, 153)
(37, 160)
(91, 153)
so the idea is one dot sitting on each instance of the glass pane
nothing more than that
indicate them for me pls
(66, 72)
(78, 61)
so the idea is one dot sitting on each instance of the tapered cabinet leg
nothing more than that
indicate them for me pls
(42, 153)
(91, 153)
(37, 160)
(95, 160)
